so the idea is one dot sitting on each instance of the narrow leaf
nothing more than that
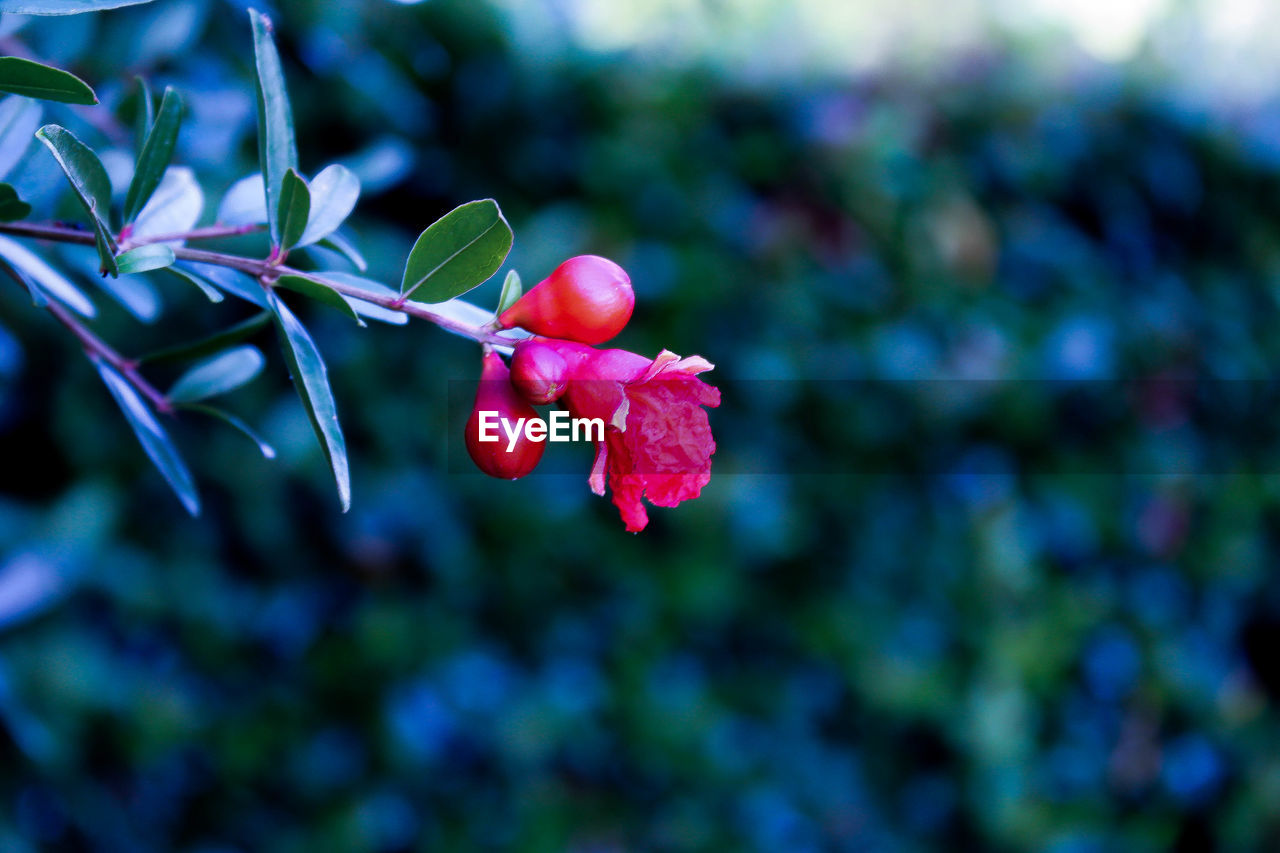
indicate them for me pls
(63, 7)
(265, 449)
(85, 172)
(363, 307)
(155, 441)
(333, 196)
(311, 380)
(155, 155)
(174, 207)
(512, 288)
(46, 278)
(277, 151)
(145, 115)
(319, 291)
(218, 375)
(458, 252)
(210, 292)
(105, 245)
(152, 256)
(34, 80)
(217, 342)
(19, 120)
(12, 207)
(347, 248)
(232, 281)
(295, 208)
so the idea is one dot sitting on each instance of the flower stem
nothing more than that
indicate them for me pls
(266, 272)
(96, 346)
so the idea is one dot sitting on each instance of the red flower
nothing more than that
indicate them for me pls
(657, 441)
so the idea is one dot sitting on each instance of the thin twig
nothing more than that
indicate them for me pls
(267, 272)
(96, 346)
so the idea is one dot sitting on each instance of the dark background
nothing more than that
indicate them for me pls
(1041, 622)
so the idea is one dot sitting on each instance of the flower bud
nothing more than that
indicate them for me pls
(586, 299)
(499, 414)
(538, 372)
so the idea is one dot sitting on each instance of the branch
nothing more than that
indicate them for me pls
(267, 272)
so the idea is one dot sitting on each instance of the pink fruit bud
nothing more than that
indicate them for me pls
(499, 413)
(586, 299)
(538, 372)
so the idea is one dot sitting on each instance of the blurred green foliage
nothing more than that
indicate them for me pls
(1056, 657)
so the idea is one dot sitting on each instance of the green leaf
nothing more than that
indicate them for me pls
(155, 441)
(145, 115)
(311, 380)
(104, 244)
(217, 342)
(12, 207)
(512, 288)
(458, 252)
(19, 120)
(265, 449)
(152, 256)
(364, 308)
(224, 372)
(231, 281)
(210, 292)
(155, 155)
(63, 7)
(85, 172)
(347, 248)
(319, 291)
(25, 77)
(277, 151)
(295, 208)
(44, 278)
(136, 294)
(333, 196)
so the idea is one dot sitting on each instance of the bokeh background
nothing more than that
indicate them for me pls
(1059, 635)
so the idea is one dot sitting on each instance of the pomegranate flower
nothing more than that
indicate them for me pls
(657, 442)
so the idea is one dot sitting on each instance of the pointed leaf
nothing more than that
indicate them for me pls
(155, 441)
(277, 151)
(218, 375)
(62, 7)
(145, 115)
(106, 252)
(245, 203)
(265, 449)
(319, 291)
(311, 380)
(12, 207)
(333, 196)
(34, 80)
(210, 292)
(85, 172)
(217, 342)
(19, 120)
(153, 256)
(512, 288)
(46, 278)
(458, 252)
(155, 155)
(174, 207)
(232, 281)
(363, 307)
(295, 208)
(347, 248)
